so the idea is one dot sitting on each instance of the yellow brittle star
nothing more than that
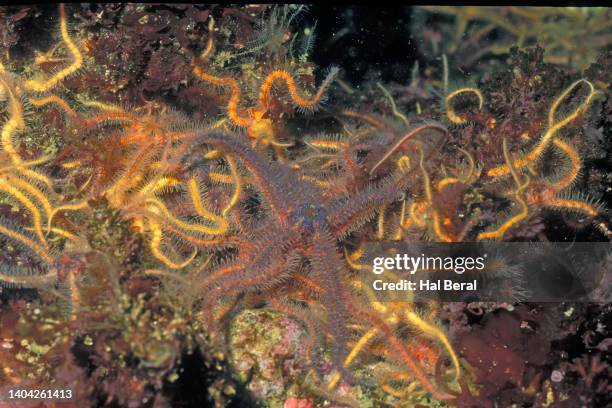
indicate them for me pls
(77, 57)
(32, 190)
(545, 193)
(553, 128)
(518, 196)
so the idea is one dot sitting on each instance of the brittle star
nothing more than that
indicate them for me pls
(301, 224)
(259, 125)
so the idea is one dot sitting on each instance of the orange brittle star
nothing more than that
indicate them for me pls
(259, 126)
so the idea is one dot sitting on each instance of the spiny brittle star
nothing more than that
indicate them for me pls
(295, 242)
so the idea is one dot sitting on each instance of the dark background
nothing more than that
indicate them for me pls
(364, 39)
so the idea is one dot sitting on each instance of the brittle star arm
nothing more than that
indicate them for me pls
(275, 181)
(266, 87)
(15, 124)
(28, 281)
(405, 138)
(232, 105)
(450, 111)
(520, 187)
(23, 199)
(155, 245)
(552, 130)
(260, 268)
(37, 248)
(43, 86)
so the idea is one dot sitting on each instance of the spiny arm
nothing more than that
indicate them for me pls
(266, 87)
(232, 105)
